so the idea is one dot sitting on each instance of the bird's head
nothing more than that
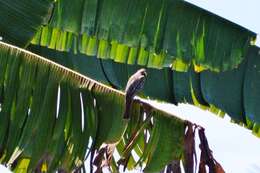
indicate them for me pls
(142, 71)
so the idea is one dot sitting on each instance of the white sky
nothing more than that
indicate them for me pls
(234, 147)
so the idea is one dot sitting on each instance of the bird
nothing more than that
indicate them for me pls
(133, 86)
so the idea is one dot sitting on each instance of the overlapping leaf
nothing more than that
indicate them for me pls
(152, 33)
(63, 116)
(220, 93)
(21, 19)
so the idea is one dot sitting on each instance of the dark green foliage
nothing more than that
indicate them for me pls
(152, 33)
(251, 92)
(52, 118)
(225, 91)
(21, 19)
(165, 149)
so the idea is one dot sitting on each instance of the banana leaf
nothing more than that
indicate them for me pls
(151, 33)
(225, 91)
(217, 91)
(114, 74)
(251, 86)
(66, 115)
(21, 19)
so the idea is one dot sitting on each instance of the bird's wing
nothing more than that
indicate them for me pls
(135, 85)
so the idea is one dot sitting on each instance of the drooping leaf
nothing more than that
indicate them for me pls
(20, 113)
(167, 141)
(117, 74)
(45, 120)
(206, 157)
(111, 126)
(205, 89)
(153, 33)
(225, 91)
(21, 19)
(60, 131)
(11, 84)
(189, 149)
(251, 86)
(70, 109)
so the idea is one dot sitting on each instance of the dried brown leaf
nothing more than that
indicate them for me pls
(206, 157)
(189, 149)
(99, 157)
(218, 168)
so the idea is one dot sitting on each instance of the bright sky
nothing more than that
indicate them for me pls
(234, 147)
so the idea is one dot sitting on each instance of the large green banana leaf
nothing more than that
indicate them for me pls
(51, 116)
(233, 91)
(32, 87)
(152, 33)
(175, 86)
(21, 19)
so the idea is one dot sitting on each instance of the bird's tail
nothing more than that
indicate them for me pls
(128, 104)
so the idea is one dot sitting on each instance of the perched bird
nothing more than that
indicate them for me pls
(133, 86)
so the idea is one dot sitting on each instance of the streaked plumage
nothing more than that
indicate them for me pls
(134, 84)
